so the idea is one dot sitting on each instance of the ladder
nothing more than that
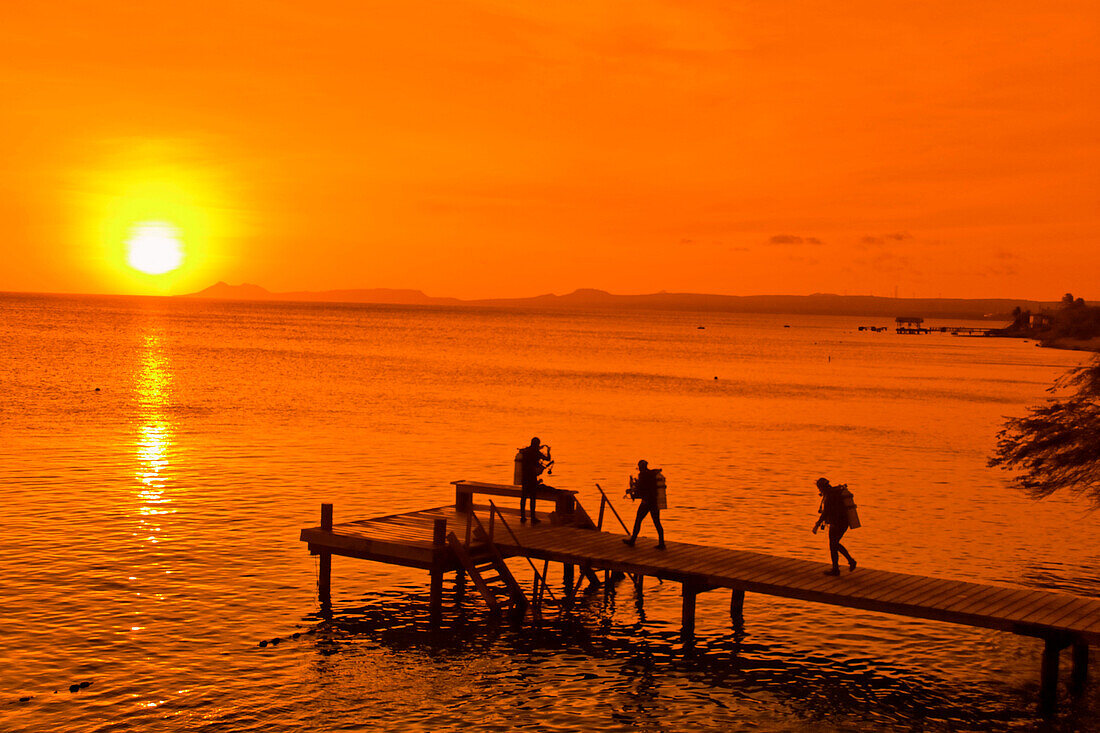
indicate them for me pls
(486, 571)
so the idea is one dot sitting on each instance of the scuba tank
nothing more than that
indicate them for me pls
(662, 499)
(850, 507)
(659, 482)
(517, 476)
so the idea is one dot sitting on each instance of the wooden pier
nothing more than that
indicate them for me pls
(909, 325)
(474, 539)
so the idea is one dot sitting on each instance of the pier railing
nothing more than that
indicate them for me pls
(606, 502)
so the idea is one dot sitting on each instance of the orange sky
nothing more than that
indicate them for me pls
(482, 149)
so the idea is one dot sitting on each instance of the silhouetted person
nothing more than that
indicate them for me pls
(645, 488)
(533, 463)
(834, 512)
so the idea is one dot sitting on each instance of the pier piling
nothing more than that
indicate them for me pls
(1048, 674)
(737, 606)
(324, 568)
(687, 616)
(435, 598)
(1080, 674)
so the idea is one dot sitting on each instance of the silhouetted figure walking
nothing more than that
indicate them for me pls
(533, 463)
(834, 512)
(645, 488)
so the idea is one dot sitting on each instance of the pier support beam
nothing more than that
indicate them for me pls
(435, 598)
(324, 569)
(1048, 674)
(737, 606)
(687, 616)
(567, 574)
(1048, 671)
(589, 573)
(1080, 675)
(460, 585)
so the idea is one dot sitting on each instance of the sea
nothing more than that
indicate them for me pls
(159, 458)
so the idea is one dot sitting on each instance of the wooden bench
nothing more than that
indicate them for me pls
(564, 501)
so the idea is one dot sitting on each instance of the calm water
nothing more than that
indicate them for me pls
(150, 529)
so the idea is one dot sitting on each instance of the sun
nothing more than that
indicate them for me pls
(154, 247)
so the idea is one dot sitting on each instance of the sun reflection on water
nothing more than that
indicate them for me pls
(153, 384)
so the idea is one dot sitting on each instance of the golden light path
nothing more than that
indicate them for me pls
(152, 385)
(154, 247)
(155, 434)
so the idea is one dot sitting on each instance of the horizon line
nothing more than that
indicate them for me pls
(274, 295)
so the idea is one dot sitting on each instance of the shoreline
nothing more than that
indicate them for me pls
(1068, 344)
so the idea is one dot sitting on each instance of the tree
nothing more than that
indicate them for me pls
(1057, 445)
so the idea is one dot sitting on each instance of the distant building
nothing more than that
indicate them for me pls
(911, 321)
(1040, 320)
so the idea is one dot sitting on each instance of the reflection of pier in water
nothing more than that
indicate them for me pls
(473, 540)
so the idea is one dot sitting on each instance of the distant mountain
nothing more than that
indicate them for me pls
(225, 291)
(816, 304)
(589, 298)
(385, 296)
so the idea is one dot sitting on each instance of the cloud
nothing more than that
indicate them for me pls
(885, 238)
(792, 239)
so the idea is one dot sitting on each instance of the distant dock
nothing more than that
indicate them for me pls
(914, 325)
(473, 540)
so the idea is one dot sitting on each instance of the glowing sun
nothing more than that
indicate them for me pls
(154, 247)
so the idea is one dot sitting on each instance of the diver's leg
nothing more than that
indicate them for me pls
(843, 551)
(642, 511)
(656, 514)
(834, 547)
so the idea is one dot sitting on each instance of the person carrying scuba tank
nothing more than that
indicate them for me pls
(835, 513)
(533, 461)
(645, 488)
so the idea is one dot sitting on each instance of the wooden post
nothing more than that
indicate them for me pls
(460, 585)
(687, 618)
(1080, 675)
(324, 571)
(1048, 676)
(567, 574)
(435, 598)
(737, 606)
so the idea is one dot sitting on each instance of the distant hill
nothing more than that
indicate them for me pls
(816, 304)
(588, 298)
(384, 296)
(232, 292)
